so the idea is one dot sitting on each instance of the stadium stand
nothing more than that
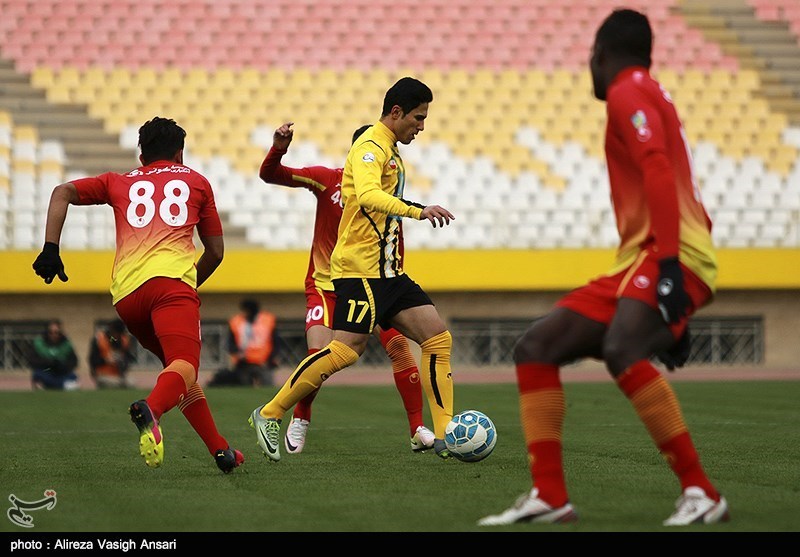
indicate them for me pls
(513, 143)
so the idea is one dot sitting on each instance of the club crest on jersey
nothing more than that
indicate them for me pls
(393, 164)
(641, 281)
(368, 157)
(639, 121)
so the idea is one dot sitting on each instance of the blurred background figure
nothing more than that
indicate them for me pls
(252, 342)
(110, 355)
(53, 360)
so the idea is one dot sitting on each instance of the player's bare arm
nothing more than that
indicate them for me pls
(214, 251)
(48, 264)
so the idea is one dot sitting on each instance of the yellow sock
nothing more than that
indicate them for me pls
(308, 376)
(437, 380)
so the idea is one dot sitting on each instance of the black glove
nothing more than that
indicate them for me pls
(672, 298)
(679, 353)
(49, 265)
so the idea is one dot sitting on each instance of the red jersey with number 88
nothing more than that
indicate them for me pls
(156, 209)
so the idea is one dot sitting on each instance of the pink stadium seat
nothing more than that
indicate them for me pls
(478, 25)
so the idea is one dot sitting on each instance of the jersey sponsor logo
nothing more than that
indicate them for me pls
(639, 121)
(641, 281)
(368, 157)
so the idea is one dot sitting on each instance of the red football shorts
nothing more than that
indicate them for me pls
(319, 307)
(597, 300)
(164, 316)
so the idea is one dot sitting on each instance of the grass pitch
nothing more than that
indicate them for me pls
(358, 474)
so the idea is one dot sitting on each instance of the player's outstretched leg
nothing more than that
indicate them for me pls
(151, 442)
(268, 432)
(437, 382)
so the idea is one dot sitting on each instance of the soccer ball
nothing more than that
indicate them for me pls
(470, 436)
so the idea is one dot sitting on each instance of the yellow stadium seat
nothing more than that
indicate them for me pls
(510, 79)
(667, 77)
(693, 78)
(42, 77)
(457, 79)
(115, 121)
(223, 78)
(119, 78)
(352, 79)
(300, 81)
(563, 80)
(720, 80)
(784, 159)
(434, 78)
(747, 80)
(96, 76)
(171, 79)
(199, 78)
(249, 78)
(145, 79)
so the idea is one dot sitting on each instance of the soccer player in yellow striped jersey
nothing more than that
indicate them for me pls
(367, 271)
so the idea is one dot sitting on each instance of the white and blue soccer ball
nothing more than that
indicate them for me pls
(470, 436)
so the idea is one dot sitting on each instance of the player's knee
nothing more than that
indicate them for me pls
(441, 343)
(619, 354)
(531, 347)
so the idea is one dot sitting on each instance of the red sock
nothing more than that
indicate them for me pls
(406, 375)
(542, 410)
(658, 409)
(302, 409)
(169, 390)
(196, 411)
(410, 389)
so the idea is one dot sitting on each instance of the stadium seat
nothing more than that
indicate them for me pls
(528, 105)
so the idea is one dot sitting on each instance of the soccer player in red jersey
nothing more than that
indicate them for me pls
(154, 280)
(326, 185)
(665, 270)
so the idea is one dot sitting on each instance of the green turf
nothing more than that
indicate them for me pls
(358, 474)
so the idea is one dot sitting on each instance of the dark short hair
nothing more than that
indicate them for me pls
(160, 139)
(408, 93)
(359, 131)
(116, 326)
(250, 305)
(627, 33)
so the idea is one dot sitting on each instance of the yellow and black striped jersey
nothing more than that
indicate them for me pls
(370, 243)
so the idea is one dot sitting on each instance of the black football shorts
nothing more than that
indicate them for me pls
(362, 303)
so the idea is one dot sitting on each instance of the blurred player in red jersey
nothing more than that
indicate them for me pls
(665, 270)
(326, 185)
(153, 287)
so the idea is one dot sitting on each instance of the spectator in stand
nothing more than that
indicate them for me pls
(252, 337)
(53, 360)
(110, 355)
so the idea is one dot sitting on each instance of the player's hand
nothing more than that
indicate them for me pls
(437, 215)
(679, 353)
(672, 298)
(283, 136)
(48, 264)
